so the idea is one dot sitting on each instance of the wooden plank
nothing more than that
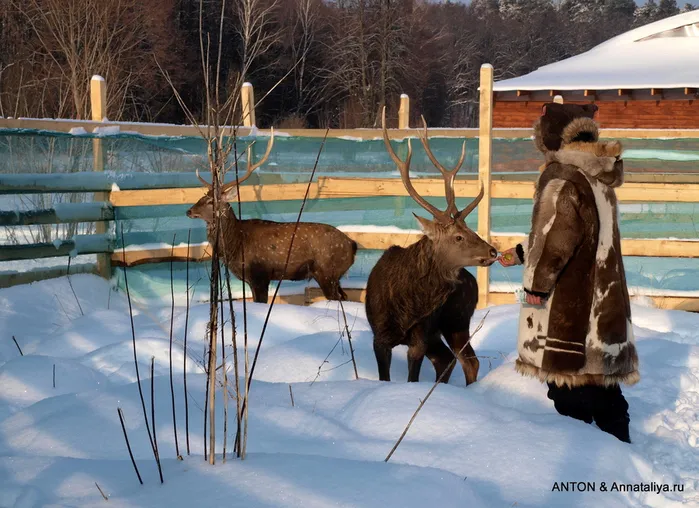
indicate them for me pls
(98, 104)
(201, 252)
(248, 193)
(404, 112)
(662, 302)
(120, 257)
(512, 190)
(325, 188)
(629, 247)
(248, 99)
(337, 188)
(158, 129)
(629, 192)
(314, 295)
(381, 241)
(155, 129)
(67, 214)
(485, 163)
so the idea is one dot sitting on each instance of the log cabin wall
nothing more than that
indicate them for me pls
(631, 114)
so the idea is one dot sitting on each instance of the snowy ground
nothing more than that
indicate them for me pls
(498, 442)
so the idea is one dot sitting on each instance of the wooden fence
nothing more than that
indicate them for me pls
(640, 188)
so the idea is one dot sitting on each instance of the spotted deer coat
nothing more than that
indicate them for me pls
(572, 257)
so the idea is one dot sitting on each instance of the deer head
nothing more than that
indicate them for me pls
(455, 244)
(204, 208)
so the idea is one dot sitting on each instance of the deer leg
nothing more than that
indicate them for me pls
(441, 357)
(417, 347)
(383, 354)
(467, 357)
(330, 287)
(260, 291)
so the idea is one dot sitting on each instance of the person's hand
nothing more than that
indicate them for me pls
(533, 300)
(508, 258)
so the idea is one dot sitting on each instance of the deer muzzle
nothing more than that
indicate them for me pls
(492, 257)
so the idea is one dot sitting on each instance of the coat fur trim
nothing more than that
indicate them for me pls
(573, 380)
(538, 137)
(600, 160)
(581, 130)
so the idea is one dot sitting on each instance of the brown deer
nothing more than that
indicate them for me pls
(416, 294)
(319, 251)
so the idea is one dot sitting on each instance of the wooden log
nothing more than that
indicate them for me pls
(14, 279)
(68, 213)
(91, 244)
(42, 183)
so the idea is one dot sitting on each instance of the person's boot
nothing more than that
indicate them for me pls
(572, 402)
(611, 412)
(617, 428)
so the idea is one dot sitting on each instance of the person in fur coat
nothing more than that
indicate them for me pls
(575, 329)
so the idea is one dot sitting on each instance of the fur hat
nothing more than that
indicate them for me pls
(565, 123)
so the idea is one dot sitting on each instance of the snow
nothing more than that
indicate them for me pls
(498, 442)
(110, 130)
(624, 61)
(159, 245)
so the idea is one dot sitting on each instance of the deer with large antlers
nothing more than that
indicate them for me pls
(417, 294)
(319, 251)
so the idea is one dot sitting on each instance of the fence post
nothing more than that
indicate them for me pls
(248, 100)
(403, 123)
(98, 104)
(247, 97)
(404, 112)
(485, 158)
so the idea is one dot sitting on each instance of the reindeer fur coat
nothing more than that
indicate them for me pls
(582, 334)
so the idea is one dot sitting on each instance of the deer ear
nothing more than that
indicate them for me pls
(230, 194)
(426, 225)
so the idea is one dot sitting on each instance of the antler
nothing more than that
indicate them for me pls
(206, 184)
(470, 207)
(252, 167)
(404, 170)
(448, 175)
(451, 213)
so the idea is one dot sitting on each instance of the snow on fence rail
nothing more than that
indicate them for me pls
(123, 197)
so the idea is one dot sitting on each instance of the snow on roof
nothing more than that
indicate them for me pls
(663, 54)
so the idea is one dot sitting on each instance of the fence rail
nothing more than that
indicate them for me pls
(134, 196)
(162, 129)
